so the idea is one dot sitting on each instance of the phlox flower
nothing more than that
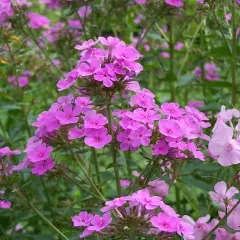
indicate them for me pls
(172, 110)
(93, 67)
(165, 55)
(164, 222)
(5, 204)
(170, 128)
(84, 11)
(68, 115)
(22, 81)
(97, 138)
(75, 132)
(140, 137)
(86, 45)
(161, 148)
(39, 152)
(106, 75)
(37, 20)
(109, 41)
(99, 223)
(144, 197)
(221, 193)
(126, 53)
(84, 103)
(6, 151)
(125, 183)
(83, 219)
(159, 187)
(141, 1)
(94, 120)
(74, 23)
(41, 167)
(175, 3)
(226, 149)
(125, 141)
(148, 116)
(115, 203)
(179, 46)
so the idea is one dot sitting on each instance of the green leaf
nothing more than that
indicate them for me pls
(216, 84)
(190, 195)
(185, 80)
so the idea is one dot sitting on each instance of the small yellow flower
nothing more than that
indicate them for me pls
(16, 39)
(3, 61)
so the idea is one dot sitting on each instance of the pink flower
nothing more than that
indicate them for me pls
(165, 55)
(75, 132)
(221, 193)
(99, 223)
(106, 75)
(158, 186)
(200, 1)
(141, 1)
(86, 45)
(140, 137)
(196, 104)
(74, 23)
(85, 69)
(39, 152)
(84, 103)
(170, 128)
(179, 46)
(226, 149)
(68, 115)
(4, 204)
(175, 3)
(161, 148)
(185, 229)
(115, 203)
(126, 53)
(110, 41)
(126, 142)
(83, 219)
(164, 222)
(172, 110)
(84, 11)
(94, 120)
(125, 183)
(145, 198)
(148, 116)
(97, 138)
(37, 20)
(41, 167)
(22, 81)
(6, 151)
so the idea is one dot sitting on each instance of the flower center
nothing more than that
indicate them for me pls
(229, 147)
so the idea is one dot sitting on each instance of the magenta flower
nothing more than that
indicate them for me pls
(158, 186)
(84, 103)
(175, 3)
(68, 81)
(179, 46)
(115, 203)
(83, 219)
(97, 138)
(200, 1)
(94, 120)
(141, 1)
(140, 137)
(161, 148)
(99, 223)
(172, 110)
(86, 45)
(145, 198)
(85, 69)
(6, 151)
(170, 128)
(125, 183)
(109, 42)
(75, 132)
(227, 150)
(68, 115)
(221, 193)
(148, 116)
(22, 81)
(37, 20)
(4, 204)
(126, 53)
(74, 23)
(41, 167)
(165, 55)
(39, 152)
(164, 222)
(106, 75)
(126, 142)
(84, 11)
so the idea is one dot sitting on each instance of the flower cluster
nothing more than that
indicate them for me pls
(20, 81)
(210, 72)
(169, 129)
(226, 149)
(140, 212)
(105, 70)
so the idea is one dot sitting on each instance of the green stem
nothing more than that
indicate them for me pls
(42, 217)
(220, 27)
(48, 199)
(113, 150)
(177, 193)
(94, 158)
(128, 161)
(189, 47)
(203, 78)
(234, 54)
(171, 46)
(221, 221)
